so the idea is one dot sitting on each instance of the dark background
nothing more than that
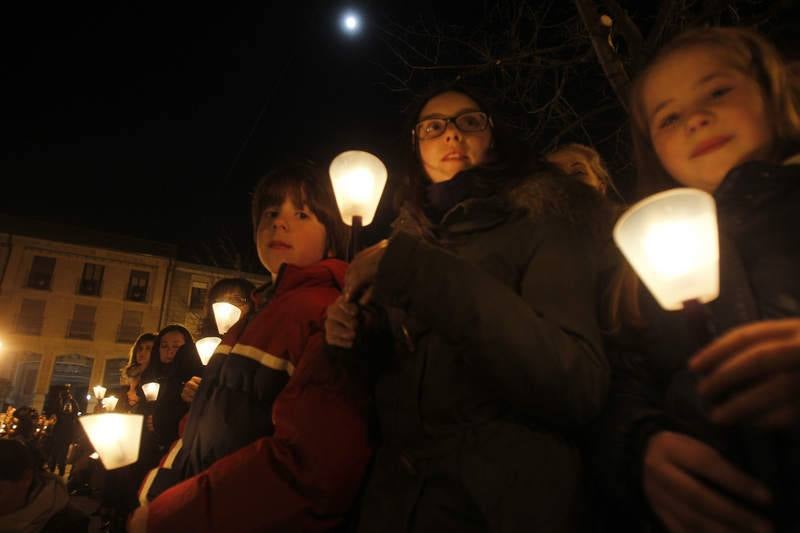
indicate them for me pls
(156, 121)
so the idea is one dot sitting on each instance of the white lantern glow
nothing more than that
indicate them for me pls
(671, 241)
(225, 315)
(110, 403)
(115, 437)
(99, 392)
(206, 347)
(151, 391)
(358, 179)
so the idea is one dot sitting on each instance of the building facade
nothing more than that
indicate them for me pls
(72, 303)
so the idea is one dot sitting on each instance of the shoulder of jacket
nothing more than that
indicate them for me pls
(566, 201)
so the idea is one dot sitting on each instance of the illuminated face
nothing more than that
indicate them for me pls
(453, 151)
(143, 352)
(704, 117)
(289, 234)
(170, 343)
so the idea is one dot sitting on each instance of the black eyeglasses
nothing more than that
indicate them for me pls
(468, 122)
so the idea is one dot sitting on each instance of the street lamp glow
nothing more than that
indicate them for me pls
(358, 179)
(225, 315)
(671, 241)
(115, 437)
(206, 347)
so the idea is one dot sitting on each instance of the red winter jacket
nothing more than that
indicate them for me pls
(276, 439)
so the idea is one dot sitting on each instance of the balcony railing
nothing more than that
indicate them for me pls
(29, 324)
(128, 332)
(80, 329)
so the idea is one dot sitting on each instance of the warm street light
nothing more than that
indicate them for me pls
(225, 315)
(110, 403)
(115, 437)
(671, 241)
(151, 391)
(358, 179)
(99, 392)
(206, 347)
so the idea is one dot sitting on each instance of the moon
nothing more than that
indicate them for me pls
(351, 22)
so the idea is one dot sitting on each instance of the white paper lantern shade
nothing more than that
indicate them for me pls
(671, 241)
(151, 391)
(206, 347)
(99, 392)
(115, 437)
(358, 179)
(225, 315)
(109, 403)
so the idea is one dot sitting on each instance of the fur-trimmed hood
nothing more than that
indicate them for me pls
(543, 195)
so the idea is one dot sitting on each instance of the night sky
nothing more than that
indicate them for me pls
(156, 120)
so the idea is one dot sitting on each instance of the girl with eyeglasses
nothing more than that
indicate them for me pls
(479, 338)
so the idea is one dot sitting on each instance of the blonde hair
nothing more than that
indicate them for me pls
(746, 51)
(591, 158)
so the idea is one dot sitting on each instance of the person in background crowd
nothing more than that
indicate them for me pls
(31, 499)
(582, 163)
(235, 291)
(63, 430)
(173, 362)
(131, 397)
(119, 488)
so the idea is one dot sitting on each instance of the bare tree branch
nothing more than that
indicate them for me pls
(609, 60)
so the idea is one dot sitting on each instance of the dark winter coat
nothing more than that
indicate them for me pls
(497, 363)
(66, 418)
(170, 407)
(653, 390)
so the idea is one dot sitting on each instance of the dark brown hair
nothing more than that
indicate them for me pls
(307, 186)
(508, 158)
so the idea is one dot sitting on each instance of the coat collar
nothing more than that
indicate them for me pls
(324, 273)
(757, 183)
